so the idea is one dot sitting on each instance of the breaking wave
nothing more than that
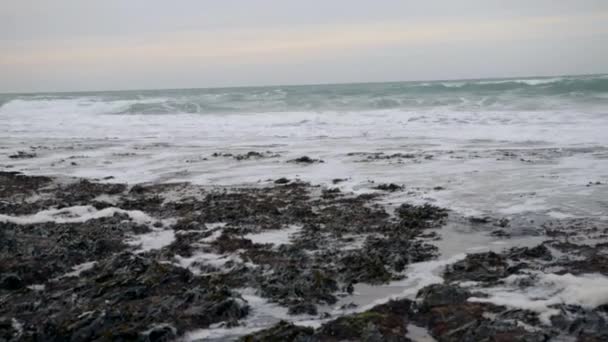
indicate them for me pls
(528, 94)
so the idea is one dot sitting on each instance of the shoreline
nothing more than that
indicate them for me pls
(162, 261)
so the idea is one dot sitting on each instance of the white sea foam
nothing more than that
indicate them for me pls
(76, 214)
(156, 239)
(263, 314)
(418, 334)
(78, 269)
(588, 291)
(276, 237)
(178, 147)
(18, 327)
(37, 287)
(214, 235)
(418, 275)
(212, 259)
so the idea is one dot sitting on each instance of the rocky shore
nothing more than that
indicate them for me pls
(86, 260)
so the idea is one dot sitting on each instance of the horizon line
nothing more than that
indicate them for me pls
(300, 84)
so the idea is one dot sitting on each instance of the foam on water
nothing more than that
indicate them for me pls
(77, 214)
(156, 239)
(276, 237)
(263, 314)
(587, 290)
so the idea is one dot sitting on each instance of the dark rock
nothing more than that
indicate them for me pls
(15, 183)
(22, 155)
(128, 296)
(421, 217)
(360, 267)
(503, 222)
(11, 282)
(282, 331)
(500, 233)
(160, 333)
(8, 331)
(282, 181)
(485, 267)
(249, 155)
(331, 193)
(303, 308)
(292, 285)
(480, 220)
(389, 187)
(441, 295)
(305, 160)
(539, 252)
(386, 322)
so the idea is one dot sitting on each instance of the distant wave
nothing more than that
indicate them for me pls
(526, 94)
(557, 85)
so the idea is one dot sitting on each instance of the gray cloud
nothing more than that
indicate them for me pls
(74, 44)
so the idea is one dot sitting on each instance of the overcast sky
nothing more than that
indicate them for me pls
(63, 45)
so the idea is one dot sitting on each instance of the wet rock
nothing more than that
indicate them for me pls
(590, 325)
(22, 155)
(189, 224)
(184, 244)
(420, 217)
(249, 155)
(303, 308)
(387, 322)
(367, 326)
(441, 295)
(256, 155)
(383, 156)
(219, 154)
(282, 331)
(305, 160)
(484, 267)
(83, 191)
(8, 331)
(392, 187)
(159, 333)
(480, 220)
(503, 222)
(330, 193)
(359, 267)
(343, 239)
(292, 286)
(594, 263)
(500, 233)
(15, 183)
(122, 297)
(226, 243)
(398, 250)
(540, 252)
(39, 252)
(11, 281)
(449, 317)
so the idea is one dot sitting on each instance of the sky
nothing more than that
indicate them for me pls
(71, 45)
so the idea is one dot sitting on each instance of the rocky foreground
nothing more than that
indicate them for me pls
(83, 260)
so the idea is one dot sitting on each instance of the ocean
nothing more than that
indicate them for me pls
(527, 150)
(560, 123)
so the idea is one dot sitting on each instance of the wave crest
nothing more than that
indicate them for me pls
(471, 95)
